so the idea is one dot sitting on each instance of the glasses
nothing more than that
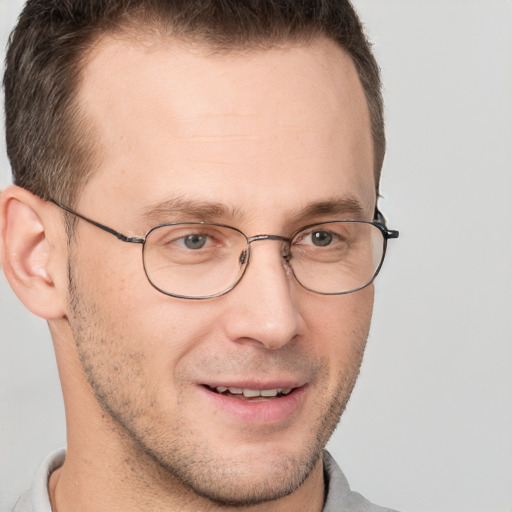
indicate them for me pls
(198, 260)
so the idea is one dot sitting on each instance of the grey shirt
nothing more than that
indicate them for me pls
(339, 496)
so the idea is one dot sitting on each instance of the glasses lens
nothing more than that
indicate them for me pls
(337, 257)
(194, 260)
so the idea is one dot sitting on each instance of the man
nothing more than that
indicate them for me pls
(238, 146)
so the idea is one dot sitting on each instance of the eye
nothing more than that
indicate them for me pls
(195, 241)
(321, 238)
(189, 245)
(188, 238)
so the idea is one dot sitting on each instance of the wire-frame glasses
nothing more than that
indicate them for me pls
(198, 260)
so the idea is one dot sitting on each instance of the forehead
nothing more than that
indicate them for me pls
(255, 129)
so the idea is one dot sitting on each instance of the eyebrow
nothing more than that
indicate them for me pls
(347, 207)
(182, 208)
(187, 208)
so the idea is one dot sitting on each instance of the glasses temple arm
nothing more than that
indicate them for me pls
(380, 219)
(120, 236)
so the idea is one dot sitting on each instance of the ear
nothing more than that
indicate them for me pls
(33, 252)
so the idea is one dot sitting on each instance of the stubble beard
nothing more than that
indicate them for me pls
(166, 461)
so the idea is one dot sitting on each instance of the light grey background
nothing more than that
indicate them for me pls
(429, 426)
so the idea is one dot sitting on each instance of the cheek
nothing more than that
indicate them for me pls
(109, 269)
(145, 322)
(338, 326)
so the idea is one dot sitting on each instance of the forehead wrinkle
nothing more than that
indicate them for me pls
(220, 138)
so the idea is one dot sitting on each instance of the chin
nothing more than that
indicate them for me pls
(244, 483)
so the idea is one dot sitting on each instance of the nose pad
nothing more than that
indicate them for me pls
(286, 252)
(243, 258)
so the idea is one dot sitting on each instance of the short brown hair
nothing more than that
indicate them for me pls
(49, 143)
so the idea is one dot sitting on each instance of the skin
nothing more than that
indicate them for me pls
(266, 135)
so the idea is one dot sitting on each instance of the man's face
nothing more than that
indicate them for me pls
(267, 142)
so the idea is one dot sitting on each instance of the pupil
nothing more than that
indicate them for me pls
(321, 238)
(195, 241)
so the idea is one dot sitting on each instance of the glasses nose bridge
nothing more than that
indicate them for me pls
(285, 248)
(260, 238)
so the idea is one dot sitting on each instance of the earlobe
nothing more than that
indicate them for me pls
(29, 248)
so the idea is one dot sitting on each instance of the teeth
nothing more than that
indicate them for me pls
(253, 393)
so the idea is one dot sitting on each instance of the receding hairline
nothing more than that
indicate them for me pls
(154, 32)
(50, 142)
(150, 39)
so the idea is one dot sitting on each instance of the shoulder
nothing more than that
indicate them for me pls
(340, 496)
(36, 499)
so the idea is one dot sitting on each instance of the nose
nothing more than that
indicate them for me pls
(264, 306)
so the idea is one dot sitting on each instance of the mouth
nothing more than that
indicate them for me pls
(253, 395)
(264, 404)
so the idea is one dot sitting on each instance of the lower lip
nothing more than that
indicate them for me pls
(261, 412)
